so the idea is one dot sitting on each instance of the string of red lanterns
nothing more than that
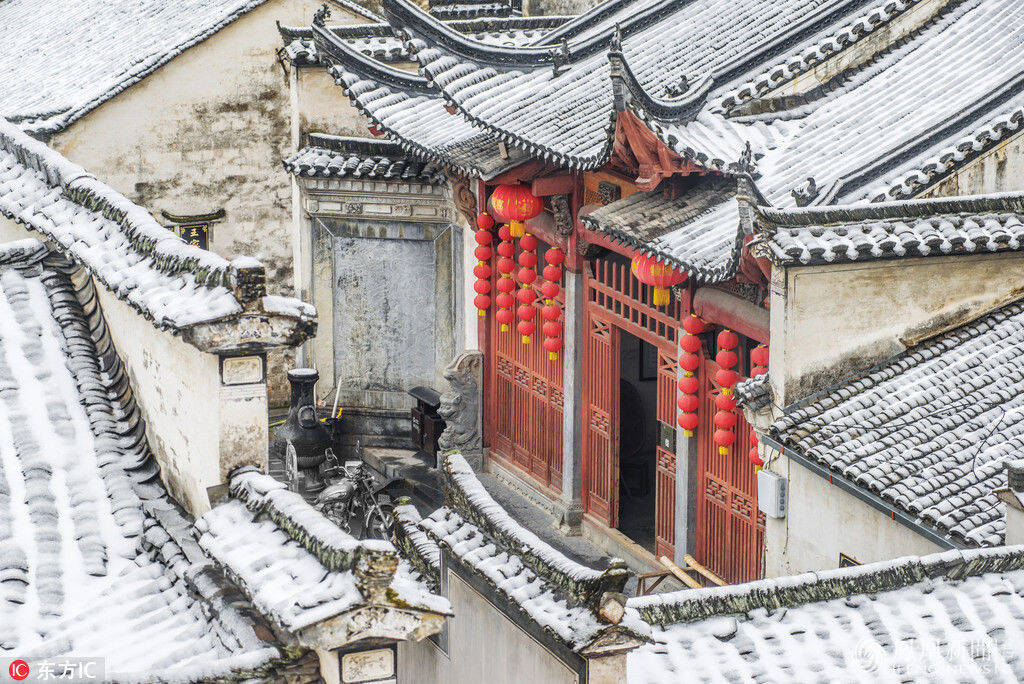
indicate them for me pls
(482, 270)
(526, 294)
(689, 385)
(725, 418)
(506, 283)
(551, 312)
(758, 360)
(754, 457)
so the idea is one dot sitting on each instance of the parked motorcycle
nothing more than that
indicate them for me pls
(356, 497)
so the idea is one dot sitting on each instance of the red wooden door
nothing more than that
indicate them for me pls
(526, 406)
(601, 416)
(665, 474)
(730, 529)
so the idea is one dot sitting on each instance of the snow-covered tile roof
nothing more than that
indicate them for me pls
(62, 59)
(174, 284)
(298, 568)
(557, 101)
(94, 557)
(409, 111)
(554, 591)
(379, 41)
(698, 232)
(469, 9)
(910, 228)
(943, 95)
(930, 429)
(330, 156)
(954, 616)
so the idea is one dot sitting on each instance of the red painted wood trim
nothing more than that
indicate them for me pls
(560, 184)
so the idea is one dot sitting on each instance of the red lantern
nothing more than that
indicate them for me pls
(727, 339)
(505, 300)
(755, 458)
(552, 328)
(482, 302)
(551, 312)
(649, 271)
(688, 421)
(726, 379)
(759, 355)
(506, 285)
(689, 343)
(724, 439)
(483, 237)
(548, 288)
(689, 362)
(482, 271)
(482, 286)
(726, 358)
(483, 253)
(505, 317)
(725, 402)
(526, 296)
(484, 221)
(694, 325)
(689, 384)
(688, 403)
(553, 345)
(725, 420)
(526, 329)
(516, 204)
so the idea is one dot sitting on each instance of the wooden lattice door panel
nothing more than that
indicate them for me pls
(601, 415)
(526, 406)
(665, 472)
(730, 529)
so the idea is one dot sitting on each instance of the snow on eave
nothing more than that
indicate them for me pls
(691, 605)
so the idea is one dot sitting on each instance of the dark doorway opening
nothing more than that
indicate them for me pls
(638, 437)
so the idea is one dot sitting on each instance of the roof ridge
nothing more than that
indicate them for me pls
(1010, 202)
(812, 587)
(474, 504)
(837, 41)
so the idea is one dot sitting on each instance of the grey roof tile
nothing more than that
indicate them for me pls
(565, 114)
(698, 232)
(62, 59)
(331, 156)
(949, 616)
(915, 228)
(929, 430)
(87, 565)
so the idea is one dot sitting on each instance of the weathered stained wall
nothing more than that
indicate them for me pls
(828, 322)
(1001, 169)
(208, 130)
(482, 646)
(557, 7)
(823, 521)
(321, 106)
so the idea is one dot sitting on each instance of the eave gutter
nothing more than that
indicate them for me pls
(873, 500)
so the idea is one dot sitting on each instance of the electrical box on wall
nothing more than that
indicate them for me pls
(771, 494)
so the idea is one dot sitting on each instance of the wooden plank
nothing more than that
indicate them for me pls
(679, 573)
(691, 562)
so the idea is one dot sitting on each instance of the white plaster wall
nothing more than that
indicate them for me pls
(176, 386)
(471, 317)
(1001, 169)
(823, 521)
(209, 130)
(484, 647)
(322, 106)
(828, 322)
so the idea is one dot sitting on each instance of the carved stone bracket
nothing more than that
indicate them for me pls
(563, 217)
(461, 406)
(465, 199)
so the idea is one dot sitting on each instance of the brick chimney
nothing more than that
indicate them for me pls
(1013, 497)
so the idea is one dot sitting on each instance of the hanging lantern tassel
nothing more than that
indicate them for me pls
(526, 294)
(516, 204)
(725, 417)
(482, 270)
(649, 271)
(551, 311)
(506, 283)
